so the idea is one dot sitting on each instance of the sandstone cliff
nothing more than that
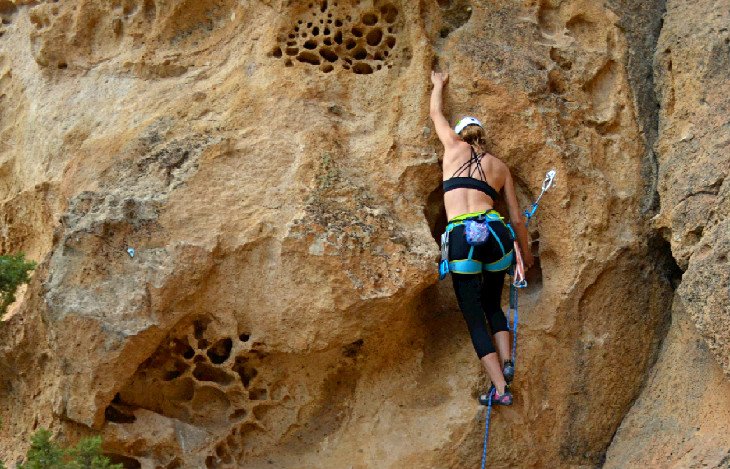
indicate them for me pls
(273, 167)
(682, 418)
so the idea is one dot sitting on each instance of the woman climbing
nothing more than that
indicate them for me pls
(472, 180)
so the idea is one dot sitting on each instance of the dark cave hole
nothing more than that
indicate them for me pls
(117, 414)
(660, 249)
(435, 213)
(126, 461)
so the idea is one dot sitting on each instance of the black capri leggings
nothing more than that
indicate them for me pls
(480, 295)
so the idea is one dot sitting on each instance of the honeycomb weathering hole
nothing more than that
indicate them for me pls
(182, 390)
(182, 347)
(210, 401)
(308, 57)
(178, 368)
(353, 38)
(258, 394)
(246, 372)
(205, 372)
(328, 54)
(199, 328)
(216, 385)
(220, 351)
(374, 37)
(362, 68)
(7, 8)
(370, 19)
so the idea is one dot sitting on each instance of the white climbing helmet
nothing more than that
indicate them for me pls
(465, 122)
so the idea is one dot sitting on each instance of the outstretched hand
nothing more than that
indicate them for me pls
(439, 78)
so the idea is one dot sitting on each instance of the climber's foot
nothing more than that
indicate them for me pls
(497, 398)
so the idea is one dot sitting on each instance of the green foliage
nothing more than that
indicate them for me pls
(14, 271)
(87, 455)
(46, 454)
(43, 453)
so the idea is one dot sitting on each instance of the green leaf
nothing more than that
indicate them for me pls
(14, 271)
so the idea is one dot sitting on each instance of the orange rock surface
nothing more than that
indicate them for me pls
(273, 167)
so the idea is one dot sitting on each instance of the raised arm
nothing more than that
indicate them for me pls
(444, 131)
(517, 221)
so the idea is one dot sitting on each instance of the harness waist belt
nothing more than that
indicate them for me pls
(472, 266)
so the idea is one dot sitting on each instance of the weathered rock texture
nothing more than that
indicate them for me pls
(682, 418)
(273, 166)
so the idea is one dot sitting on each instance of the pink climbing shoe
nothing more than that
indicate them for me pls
(497, 399)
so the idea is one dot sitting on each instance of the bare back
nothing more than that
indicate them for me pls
(462, 200)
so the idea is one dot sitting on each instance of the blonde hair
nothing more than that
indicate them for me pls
(475, 136)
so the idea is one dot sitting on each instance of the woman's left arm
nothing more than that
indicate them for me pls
(444, 131)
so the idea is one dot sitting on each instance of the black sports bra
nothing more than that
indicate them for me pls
(470, 182)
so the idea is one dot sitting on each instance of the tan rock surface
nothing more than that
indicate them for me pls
(695, 160)
(281, 309)
(682, 419)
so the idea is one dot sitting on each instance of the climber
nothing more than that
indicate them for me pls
(472, 180)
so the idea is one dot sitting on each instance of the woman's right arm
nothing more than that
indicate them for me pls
(517, 221)
(444, 131)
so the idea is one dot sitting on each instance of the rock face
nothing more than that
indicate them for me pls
(682, 418)
(273, 168)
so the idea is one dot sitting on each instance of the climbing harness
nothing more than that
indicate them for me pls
(518, 275)
(470, 265)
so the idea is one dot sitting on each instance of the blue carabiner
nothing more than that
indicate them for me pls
(443, 269)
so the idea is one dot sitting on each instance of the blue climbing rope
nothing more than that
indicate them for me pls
(486, 427)
(514, 319)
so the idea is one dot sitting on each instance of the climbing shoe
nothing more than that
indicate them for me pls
(497, 399)
(508, 371)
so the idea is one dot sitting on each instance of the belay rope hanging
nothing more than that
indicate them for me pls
(518, 281)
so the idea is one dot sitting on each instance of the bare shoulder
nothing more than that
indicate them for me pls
(458, 151)
(499, 165)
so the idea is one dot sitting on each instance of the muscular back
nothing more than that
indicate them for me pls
(461, 201)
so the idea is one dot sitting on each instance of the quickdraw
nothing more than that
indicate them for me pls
(519, 273)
